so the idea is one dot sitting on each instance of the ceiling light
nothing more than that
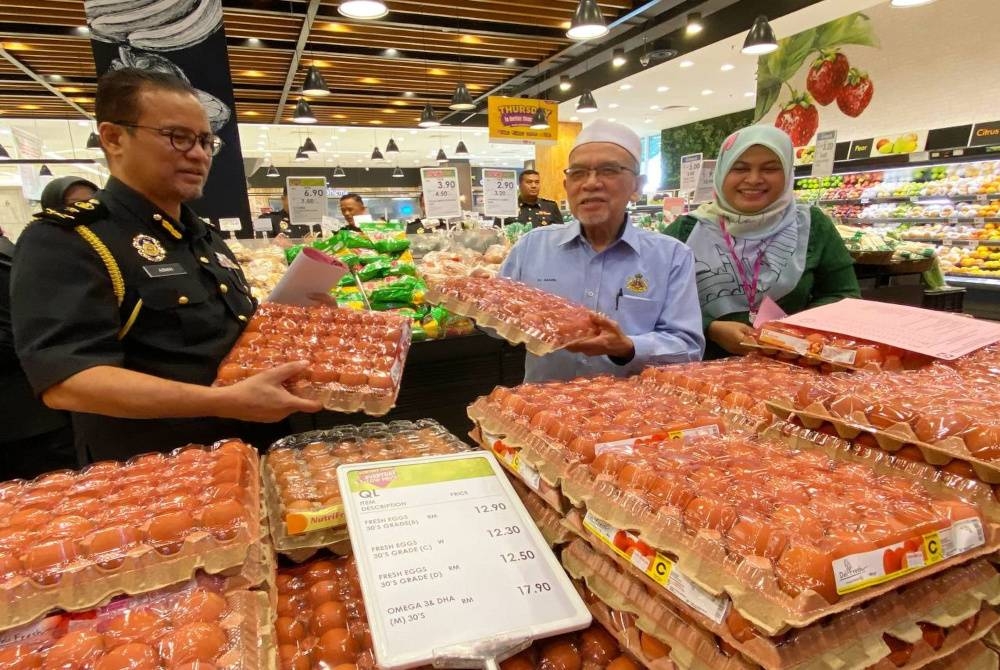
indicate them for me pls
(587, 23)
(391, 148)
(398, 172)
(612, 119)
(377, 155)
(314, 85)
(390, 52)
(408, 94)
(618, 57)
(83, 30)
(760, 40)
(309, 147)
(301, 156)
(93, 140)
(45, 171)
(461, 149)
(654, 107)
(613, 105)
(4, 156)
(625, 87)
(441, 157)
(338, 172)
(726, 67)
(749, 94)
(303, 113)
(461, 101)
(586, 103)
(253, 42)
(540, 120)
(707, 91)
(686, 63)
(692, 109)
(662, 89)
(574, 118)
(428, 119)
(510, 61)
(909, 3)
(564, 83)
(363, 9)
(272, 172)
(694, 24)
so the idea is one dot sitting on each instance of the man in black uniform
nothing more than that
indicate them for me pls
(532, 209)
(282, 223)
(125, 304)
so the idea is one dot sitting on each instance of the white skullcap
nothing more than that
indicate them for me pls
(615, 133)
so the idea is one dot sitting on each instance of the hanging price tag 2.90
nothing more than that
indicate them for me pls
(500, 193)
(442, 199)
(446, 540)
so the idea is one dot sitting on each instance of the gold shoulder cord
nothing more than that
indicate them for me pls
(114, 272)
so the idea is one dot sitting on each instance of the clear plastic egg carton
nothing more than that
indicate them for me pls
(519, 313)
(69, 540)
(193, 627)
(300, 476)
(356, 357)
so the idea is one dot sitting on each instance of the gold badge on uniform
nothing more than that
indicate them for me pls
(283, 224)
(637, 283)
(149, 248)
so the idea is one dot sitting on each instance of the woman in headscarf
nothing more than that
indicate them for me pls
(753, 242)
(64, 191)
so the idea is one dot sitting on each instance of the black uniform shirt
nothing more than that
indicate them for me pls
(280, 223)
(540, 213)
(175, 310)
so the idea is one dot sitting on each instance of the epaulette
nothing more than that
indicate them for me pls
(78, 214)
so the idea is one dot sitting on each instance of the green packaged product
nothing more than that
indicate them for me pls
(392, 245)
(404, 291)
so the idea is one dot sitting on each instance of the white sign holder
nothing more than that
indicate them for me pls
(499, 193)
(442, 199)
(306, 200)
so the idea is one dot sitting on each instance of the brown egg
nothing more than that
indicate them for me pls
(43, 561)
(598, 646)
(622, 663)
(196, 665)
(293, 657)
(336, 646)
(135, 625)
(166, 532)
(108, 546)
(20, 657)
(520, 661)
(323, 591)
(289, 630)
(331, 614)
(199, 606)
(76, 650)
(10, 565)
(651, 647)
(192, 642)
(320, 570)
(560, 656)
(131, 656)
(27, 519)
(223, 519)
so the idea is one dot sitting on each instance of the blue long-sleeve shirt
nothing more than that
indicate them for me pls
(643, 280)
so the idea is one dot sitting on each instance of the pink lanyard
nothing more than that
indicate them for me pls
(749, 287)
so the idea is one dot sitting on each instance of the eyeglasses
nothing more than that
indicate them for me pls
(603, 172)
(183, 139)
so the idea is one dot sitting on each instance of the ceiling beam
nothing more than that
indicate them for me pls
(293, 67)
(41, 80)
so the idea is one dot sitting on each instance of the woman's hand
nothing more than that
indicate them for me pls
(729, 335)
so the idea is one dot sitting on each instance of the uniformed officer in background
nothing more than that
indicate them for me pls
(124, 305)
(532, 209)
(281, 221)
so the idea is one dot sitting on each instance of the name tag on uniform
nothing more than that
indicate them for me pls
(164, 270)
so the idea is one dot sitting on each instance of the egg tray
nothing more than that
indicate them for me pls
(691, 648)
(549, 521)
(83, 583)
(332, 530)
(622, 625)
(975, 656)
(751, 584)
(891, 439)
(843, 355)
(245, 622)
(850, 640)
(534, 341)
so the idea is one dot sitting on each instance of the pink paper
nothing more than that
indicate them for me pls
(311, 274)
(769, 311)
(937, 334)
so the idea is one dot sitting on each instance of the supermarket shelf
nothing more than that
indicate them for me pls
(951, 240)
(950, 220)
(989, 283)
(916, 199)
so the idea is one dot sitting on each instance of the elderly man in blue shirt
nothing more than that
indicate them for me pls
(642, 283)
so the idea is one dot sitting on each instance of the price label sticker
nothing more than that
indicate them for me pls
(446, 539)
(306, 200)
(263, 224)
(500, 193)
(233, 225)
(442, 197)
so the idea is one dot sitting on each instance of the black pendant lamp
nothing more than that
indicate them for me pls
(301, 156)
(309, 147)
(398, 173)
(314, 85)
(338, 172)
(461, 101)
(428, 119)
(303, 113)
(4, 156)
(272, 172)
(540, 121)
(391, 149)
(587, 103)
(377, 155)
(441, 157)
(588, 22)
(461, 149)
(45, 171)
(93, 140)
(760, 40)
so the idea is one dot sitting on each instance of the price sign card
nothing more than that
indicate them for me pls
(690, 168)
(441, 196)
(500, 193)
(232, 225)
(306, 200)
(453, 564)
(826, 148)
(705, 190)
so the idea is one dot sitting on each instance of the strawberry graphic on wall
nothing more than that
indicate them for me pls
(799, 118)
(854, 96)
(827, 75)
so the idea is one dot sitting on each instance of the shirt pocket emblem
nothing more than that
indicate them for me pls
(637, 284)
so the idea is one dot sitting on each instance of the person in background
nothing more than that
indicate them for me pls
(644, 281)
(351, 205)
(753, 242)
(532, 209)
(64, 191)
(282, 223)
(123, 306)
(422, 224)
(33, 438)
